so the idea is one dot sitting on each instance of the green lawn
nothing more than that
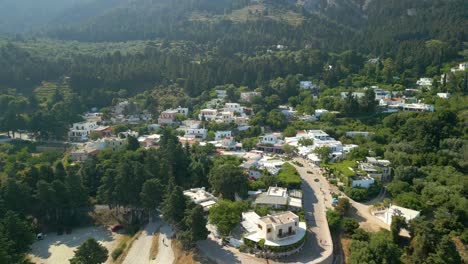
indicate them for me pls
(289, 177)
(343, 167)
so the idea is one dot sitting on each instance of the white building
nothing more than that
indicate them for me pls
(353, 134)
(208, 114)
(226, 117)
(443, 95)
(280, 229)
(222, 134)
(308, 85)
(288, 112)
(182, 110)
(273, 138)
(234, 108)
(424, 82)
(381, 94)
(80, 131)
(201, 197)
(196, 133)
(417, 107)
(391, 101)
(249, 96)
(168, 117)
(354, 94)
(320, 112)
(221, 94)
(363, 182)
(318, 135)
(461, 67)
(387, 214)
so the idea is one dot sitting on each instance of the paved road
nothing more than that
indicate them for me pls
(319, 245)
(165, 252)
(140, 250)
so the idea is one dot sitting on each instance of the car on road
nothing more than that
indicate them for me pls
(40, 236)
(117, 228)
(316, 180)
(309, 172)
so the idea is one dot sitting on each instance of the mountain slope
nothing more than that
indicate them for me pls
(25, 15)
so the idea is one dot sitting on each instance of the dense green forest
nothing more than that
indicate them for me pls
(58, 59)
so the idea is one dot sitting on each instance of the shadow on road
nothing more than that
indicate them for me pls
(216, 253)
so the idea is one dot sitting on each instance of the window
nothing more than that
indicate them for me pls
(295, 223)
(259, 226)
(280, 232)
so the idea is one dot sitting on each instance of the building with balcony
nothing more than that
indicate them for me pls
(80, 131)
(279, 229)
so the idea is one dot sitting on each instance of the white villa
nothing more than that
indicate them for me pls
(424, 82)
(308, 85)
(208, 114)
(274, 138)
(387, 214)
(461, 67)
(80, 131)
(222, 134)
(201, 197)
(233, 107)
(363, 182)
(278, 198)
(280, 229)
(196, 133)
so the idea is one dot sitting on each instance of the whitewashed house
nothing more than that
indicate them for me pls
(363, 182)
(387, 214)
(201, 197)
(196, 133)
(80, 131)
(208, 114)
(222, 134)
(280, 229)
(249, 96)
(424, 82)
(233, 107)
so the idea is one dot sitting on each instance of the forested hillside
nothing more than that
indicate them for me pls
(62, 58)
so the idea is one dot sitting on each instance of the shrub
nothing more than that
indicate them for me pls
(349, 225)
(118, 251)
(357, 194)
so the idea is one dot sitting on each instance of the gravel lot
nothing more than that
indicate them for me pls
(55, 249)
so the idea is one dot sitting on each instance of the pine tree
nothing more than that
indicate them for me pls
(90, 252)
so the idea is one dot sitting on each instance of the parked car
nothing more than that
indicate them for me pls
(40, 236)
(68, 231)
(117, 228)
(60, 231)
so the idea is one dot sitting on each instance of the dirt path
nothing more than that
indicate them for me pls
(140, 250)
(165, 252)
